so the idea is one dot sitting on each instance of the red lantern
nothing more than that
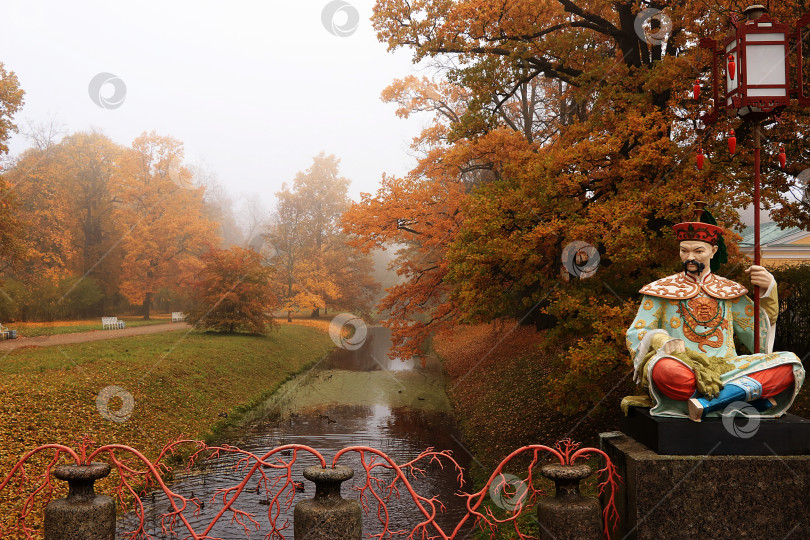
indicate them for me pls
(760, 48)
(700, 159)
(696, 90)
(782, 157)
(732, 143)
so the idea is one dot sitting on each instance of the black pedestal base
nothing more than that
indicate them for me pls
(788, 435)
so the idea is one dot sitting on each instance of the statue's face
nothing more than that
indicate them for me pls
(695, 250)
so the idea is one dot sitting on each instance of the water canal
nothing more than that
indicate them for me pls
(351, 398)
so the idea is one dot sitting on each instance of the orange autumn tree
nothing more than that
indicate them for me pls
(11, 99)
(11, 228)
(72, 260)
(233, 292)
(163, 217)
(316, 268)
(286, 237)
(419, 216)
(581, 125)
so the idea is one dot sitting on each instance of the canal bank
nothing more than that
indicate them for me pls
(351, 398)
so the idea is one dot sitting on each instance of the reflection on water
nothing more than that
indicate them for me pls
(373, 356)
(400, 432)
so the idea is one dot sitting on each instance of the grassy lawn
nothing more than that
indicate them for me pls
(180, 384)
(32, 329)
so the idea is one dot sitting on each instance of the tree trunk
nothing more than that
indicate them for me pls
(315, 313)
(289, 316)
(147, 304)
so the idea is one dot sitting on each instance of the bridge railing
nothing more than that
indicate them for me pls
(380, 480)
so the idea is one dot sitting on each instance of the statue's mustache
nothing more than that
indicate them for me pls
(700, 265)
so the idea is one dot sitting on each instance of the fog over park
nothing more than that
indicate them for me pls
(253, 89)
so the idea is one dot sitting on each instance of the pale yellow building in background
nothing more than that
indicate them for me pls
(779, 247)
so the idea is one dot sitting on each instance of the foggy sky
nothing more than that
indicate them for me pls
(254, 89)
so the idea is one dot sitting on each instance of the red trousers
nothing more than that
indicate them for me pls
(676, 381)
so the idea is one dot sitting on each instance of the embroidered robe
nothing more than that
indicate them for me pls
(707, 315)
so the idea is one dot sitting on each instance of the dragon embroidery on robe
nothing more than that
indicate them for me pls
(704, 311)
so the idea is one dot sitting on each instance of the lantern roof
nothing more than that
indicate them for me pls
(754, 12)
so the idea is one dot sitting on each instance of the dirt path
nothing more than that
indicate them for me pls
(92, 335)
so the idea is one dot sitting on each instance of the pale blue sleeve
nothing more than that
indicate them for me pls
(742, 313)
(649, 317)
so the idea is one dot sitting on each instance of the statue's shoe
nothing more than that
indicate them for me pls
(763, 404)
(743, 389)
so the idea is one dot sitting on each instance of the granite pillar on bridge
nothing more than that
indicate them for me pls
(711, 483)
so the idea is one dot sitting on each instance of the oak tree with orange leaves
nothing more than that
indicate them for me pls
(71, 235)
(11, 99)
(315, 266)
(553, 122)
(163, 217)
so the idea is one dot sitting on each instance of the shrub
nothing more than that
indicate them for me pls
(232, 292)
(794, 310)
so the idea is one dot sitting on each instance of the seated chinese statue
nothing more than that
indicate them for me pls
(682, 339)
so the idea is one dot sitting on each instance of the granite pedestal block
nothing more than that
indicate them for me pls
(709, 496)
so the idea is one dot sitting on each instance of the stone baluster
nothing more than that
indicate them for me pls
(569, 515)
(328, 515)
(83, 515)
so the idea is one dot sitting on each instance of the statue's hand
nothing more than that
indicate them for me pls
(760, 276)
(708, 384)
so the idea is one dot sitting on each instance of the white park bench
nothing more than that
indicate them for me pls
(178, 316)
(111, 323)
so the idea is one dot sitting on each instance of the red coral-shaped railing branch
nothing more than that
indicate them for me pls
(383, 493)
(610, 481)
(41, 483)
(272, 472)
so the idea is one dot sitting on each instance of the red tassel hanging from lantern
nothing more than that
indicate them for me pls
(700, 159)
(732, 66)
(782, 157)
(732, 143)
(696, 90)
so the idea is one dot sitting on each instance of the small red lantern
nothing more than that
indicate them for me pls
(732, 67)
(696, 90)
(782, 157)
(732, 143)
(700, 159)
